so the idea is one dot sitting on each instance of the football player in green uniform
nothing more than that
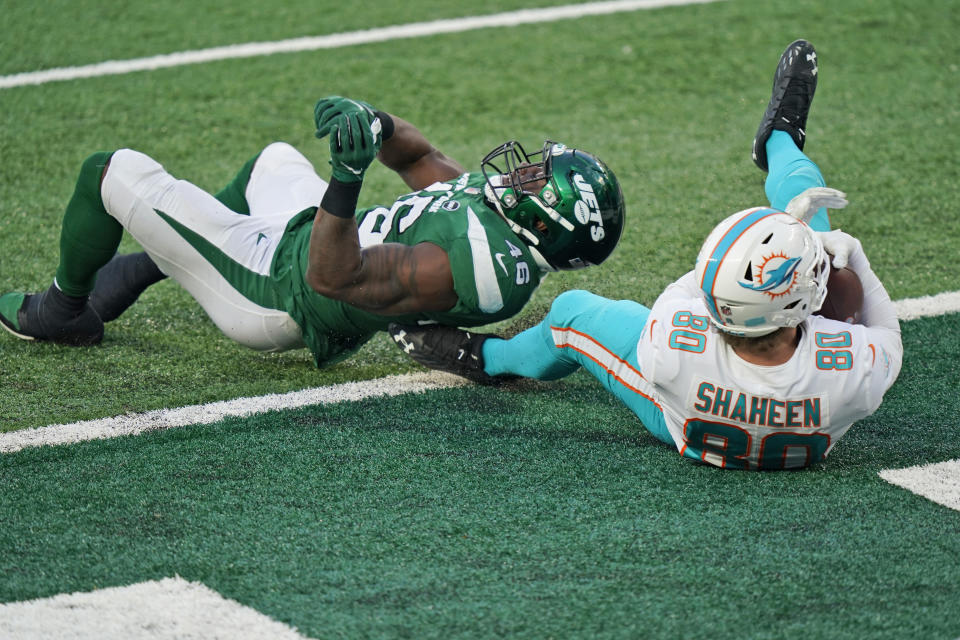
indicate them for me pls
(282, 259)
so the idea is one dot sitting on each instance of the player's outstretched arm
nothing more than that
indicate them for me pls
(418, 162)
(390, 278)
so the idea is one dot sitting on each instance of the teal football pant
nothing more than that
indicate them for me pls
(584, 330)
(792, 173)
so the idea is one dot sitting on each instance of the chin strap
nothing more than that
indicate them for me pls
(525, 235)
(545, 267)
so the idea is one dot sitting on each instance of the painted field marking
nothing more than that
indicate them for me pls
(337, 40)
(131, 424)
(928, 306)
(939, 482)
(167, 609)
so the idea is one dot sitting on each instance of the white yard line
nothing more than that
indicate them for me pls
(134, 423)
(337, 40)
(939, 481)
(928, 306)
(165, 609)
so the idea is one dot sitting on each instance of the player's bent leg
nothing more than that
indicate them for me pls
(584, 330)
(283, 181)
(533, 353)
(88, 239)
(601, 335)
(792, 173)
(277, 180)
(488, 359)
(551, 349)
(221, 258)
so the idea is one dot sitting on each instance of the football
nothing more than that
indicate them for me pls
(844, 299)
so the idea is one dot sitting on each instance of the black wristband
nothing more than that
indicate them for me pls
(386, 122)
(340, 199)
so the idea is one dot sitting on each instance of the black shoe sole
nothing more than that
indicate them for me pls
(780, 83)
(9, 327)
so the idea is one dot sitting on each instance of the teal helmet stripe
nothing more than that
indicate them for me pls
(719, 252)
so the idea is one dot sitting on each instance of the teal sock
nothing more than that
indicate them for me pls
(530, 354)
(234, 195)
(89, 236)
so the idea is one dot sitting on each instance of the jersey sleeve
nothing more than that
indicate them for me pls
(858, 358)
(879, 317)
(660, 364)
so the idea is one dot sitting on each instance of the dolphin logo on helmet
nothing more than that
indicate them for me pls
(746, 291)
(777, 278)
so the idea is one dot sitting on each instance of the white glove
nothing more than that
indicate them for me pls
(840, 245)
(804, 206)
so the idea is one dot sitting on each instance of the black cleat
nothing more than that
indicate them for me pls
(794, 83)
(51, 316)
(445, 348)
(121, 281)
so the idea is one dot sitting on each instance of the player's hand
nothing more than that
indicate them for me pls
(327, 109)
(354, 143)
(840, 245)
(805, 206)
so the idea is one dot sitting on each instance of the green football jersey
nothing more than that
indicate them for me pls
(494, 273)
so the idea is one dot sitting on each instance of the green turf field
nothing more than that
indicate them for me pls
(539, 511)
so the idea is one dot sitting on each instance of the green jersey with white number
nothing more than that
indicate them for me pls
(494, 273)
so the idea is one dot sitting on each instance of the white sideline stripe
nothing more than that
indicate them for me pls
(131, 424)
(939, 482)
(167, 609)
(928, 306)
(336, 40)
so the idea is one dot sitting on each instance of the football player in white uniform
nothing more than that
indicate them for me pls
(731, 364)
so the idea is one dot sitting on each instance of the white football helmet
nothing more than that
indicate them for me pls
(762, 269)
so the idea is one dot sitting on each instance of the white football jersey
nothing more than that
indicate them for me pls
(730, 413)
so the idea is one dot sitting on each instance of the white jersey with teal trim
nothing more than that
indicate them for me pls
(730, 413)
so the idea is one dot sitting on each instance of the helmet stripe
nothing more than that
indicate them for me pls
(719, 252)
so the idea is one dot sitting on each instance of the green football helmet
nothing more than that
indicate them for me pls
(564, 203)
